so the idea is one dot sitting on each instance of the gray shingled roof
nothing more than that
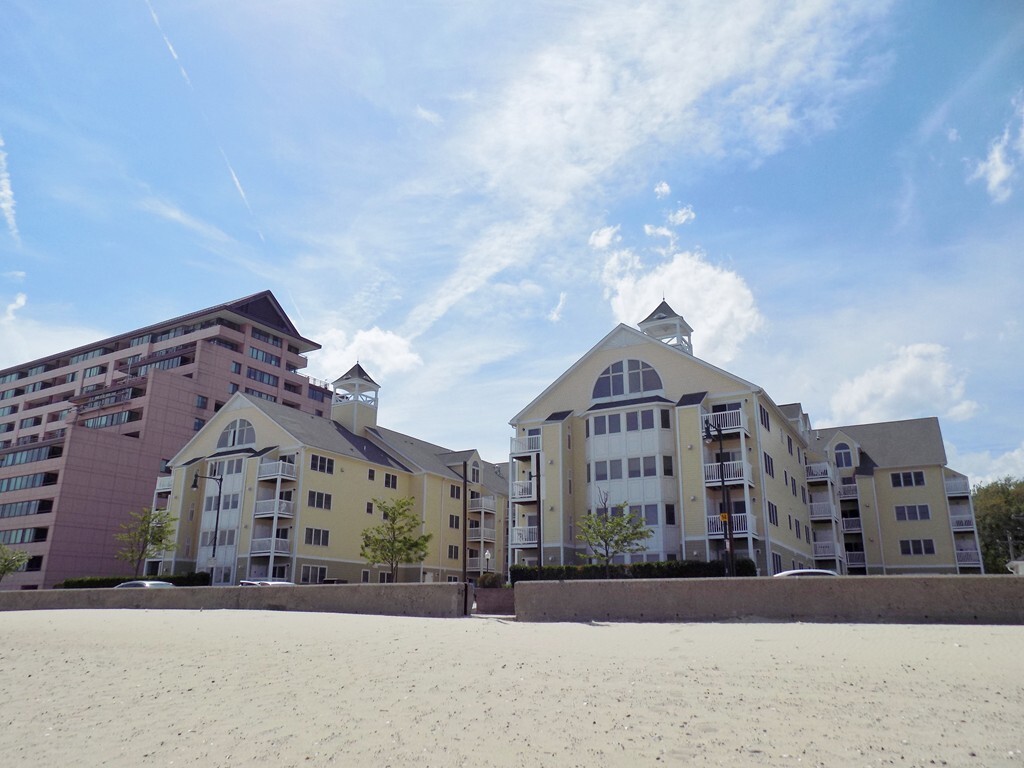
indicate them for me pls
(909, 443)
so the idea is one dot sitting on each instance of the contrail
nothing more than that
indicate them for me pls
(188, 82)
(7, 196)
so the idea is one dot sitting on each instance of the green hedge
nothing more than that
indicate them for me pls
(102, 582)
(669, 569)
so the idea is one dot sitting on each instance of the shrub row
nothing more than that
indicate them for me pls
(670, 569)
(101, 582)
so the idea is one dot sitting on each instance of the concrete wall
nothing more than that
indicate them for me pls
(870, 599)
(428, 600)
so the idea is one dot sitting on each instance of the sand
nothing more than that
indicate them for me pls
(232, 688)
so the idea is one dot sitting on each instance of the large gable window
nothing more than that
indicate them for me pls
(238, 432)
(626, 377)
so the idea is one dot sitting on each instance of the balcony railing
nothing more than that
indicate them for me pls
(266, 546)
(479, 564)
(856, 559)
(848, 491)
(273, 469)
(822, 510)
(740, 525)
(528, 444)
(819, 472)
(958, 486)
(824, 549)
(480, 533)
(482, 504)
(522, 490)
(852, 525)
(962, 523)
(729, 421)
(735, 472)
(524, 535)
(164, 484)
(270, 507)
(968, 557)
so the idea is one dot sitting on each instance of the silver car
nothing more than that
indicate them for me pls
(143, 584)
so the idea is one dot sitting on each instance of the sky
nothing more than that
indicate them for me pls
(466, 197)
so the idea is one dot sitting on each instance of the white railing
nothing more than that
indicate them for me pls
(528, 444)
(482, 504)
(266, 546)
(740, 525)
(856, 559)
(481, 533)
(729, 421)
(852, 525)
(968, 557)
(524, 534)
(958, 486)
(822, 510)
(276, 468)
(164, 484)
(824, 549)
(283, 507)
(479, 564)
(522, 490)
(962, 523)
(819, 471)
(735, 471)
(848, 491)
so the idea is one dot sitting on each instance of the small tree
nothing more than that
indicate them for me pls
(999, 512)
(617, 532)
(11, 560)
(396, 540)
(145, 535)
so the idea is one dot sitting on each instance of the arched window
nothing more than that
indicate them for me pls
(626, 377)
(844, 456)
(238, 432)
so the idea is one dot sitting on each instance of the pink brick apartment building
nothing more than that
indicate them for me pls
(84, 432)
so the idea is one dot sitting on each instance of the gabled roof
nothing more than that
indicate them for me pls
(908, 443)
(355, 373)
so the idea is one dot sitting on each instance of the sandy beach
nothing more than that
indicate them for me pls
(231, 688)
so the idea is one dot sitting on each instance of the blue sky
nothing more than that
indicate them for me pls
(467, 196)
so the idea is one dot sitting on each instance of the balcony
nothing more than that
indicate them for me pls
(856, 559)
(741, 525)
(480, 533)
(164, 484)
(852, 525)
(272, 545)
(824, 549)
(271, 470)
(528, 444)
(736, 472)
(729, 421)
(962, 523)
(819, 472)
(482, 504)
(271, 507)
(822, 510)
(522, 491)
(524, 535)
(958, 486)
(479, 564)
(969, 557)
(848, 491)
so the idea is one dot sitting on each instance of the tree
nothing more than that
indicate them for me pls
(612, 533)
(145, 535)
(999, 514)
(396, 540)
(11, 560)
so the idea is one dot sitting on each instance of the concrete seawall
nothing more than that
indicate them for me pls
(868, 599)
(426, 600)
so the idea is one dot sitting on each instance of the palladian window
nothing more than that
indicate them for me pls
(238, 432)
(627, 377)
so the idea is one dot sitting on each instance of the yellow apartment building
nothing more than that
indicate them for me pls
(705, 457)
(264, 491)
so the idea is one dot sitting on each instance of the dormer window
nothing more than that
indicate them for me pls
(844, 456)
(627, 377)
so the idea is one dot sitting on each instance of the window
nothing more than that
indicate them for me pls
(647, 419)
(371, 474)
(650, 466)
(615, 469)
(95, 370)
(202, 402)
(917, 547)
(799, 534)
(651, 514)
(634, 467)
(453, 552)
(665, 419)
(792, 485)
(776, 562)
(364, 576)
(454, 521)
(773, 514)
(769, 465)
(264, 357)
(225, 538)
(261, 376)
(265, 337)
(198, 424)
(474, 472)
(633, 421)
(236, 367)
(844, 456)
(319, 500)
(455, 491)
(390, 480)
(600, 425)
(313, 574)
(237, 433)
(220, 574)
(321, 464)
(369, 507)
(670, 514)
(614, 423)
(600, 470)
(789, 444)
(318, 537)
(907, 479)
(626, 377)
(765, 420)
(913, 512)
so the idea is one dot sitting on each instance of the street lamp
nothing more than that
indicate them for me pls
(726, 514)
(216, 521)
(487, 560)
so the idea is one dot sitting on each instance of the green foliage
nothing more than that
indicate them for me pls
(145, 535)
(670, 569)
(397, 539)
(11, 560)
(617, 533)
(746, 567)
(999, 515)
(101, 582)
(490, 580)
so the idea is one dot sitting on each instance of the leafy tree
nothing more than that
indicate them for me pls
(999, 513)
(396, 540)
(618, 532)
(145, 535)
(11, 560)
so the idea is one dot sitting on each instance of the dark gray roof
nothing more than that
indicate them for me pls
(694, 398)
(909, 443)
(356, 372)
(791, 411)
(634, 401)
(559, 416)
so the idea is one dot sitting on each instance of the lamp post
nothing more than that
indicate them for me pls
(725, 515)
(216, 521)
(487, 560)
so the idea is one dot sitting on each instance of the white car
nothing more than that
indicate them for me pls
(265, 583)
(806, 572)
(142, 584)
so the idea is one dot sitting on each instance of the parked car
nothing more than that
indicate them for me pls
(806, 572)
(142, 584)
(265, 583)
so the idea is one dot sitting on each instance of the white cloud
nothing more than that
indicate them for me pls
(952, 135)
(984, 466)
(683, 216)
(7, 203)
(917, 380)
(427, 116)
(662, 190)
(556, 314)
(172, 213)
(996, 170)
(23, 338)
(717, 303)
(19, 301)
(16, 274)
(652, 231)
(604, 237)
(380, 352)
